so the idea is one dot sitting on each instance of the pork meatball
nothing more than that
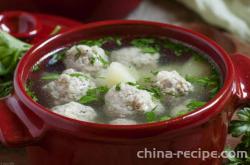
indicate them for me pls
(123, 121)
(132, 56)
(70, 86)
(128, 101)
(77, 111)
(86, 59)
(172, 83)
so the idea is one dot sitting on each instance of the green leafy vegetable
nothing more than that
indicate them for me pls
(151, 116)
(30, 92)
(11, 51)
(241, 128)
(242, 125)
(101, 41)
(93, 95)
(6, 88)
(36, 68)
(56, 30)
(212, 82)
(195, 104)
(178, 48)
(155, 91)
(50, 76)
(147, 45)
(118, 87)
(79, 75)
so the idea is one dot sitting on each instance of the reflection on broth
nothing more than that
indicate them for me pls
(124, 81)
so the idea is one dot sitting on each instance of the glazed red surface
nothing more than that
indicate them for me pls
(60, 140)
(83, 10)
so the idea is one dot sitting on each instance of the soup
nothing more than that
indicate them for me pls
(124, 81)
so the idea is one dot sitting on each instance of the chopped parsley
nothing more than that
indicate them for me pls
(94, 95)
(30, 92)
(50, 76)
(11, 51)
(56, 30)
(36, 68)
(178, 48)
(212, 82)
(155, 91)
(147, 45)
(118, 87)
(154, 72)
(195, 104)
(78, 54)
(151, 116)
(78, 75)
(5, 88)
(240, 128)
(164, 118)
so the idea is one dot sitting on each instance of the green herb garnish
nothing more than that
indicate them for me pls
(147, 45)
(164, 118)
(56, 30)
(155, 91)
(118, 87)
(50, 76)
(241, 127)
(212, 82)
(5, 88)
(36, 68)
(93, 95)
(11, 51)
(30, 92)
(178, 48)
(151, 116)
(195, 104)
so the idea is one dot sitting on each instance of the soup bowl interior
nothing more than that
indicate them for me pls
(129, 28)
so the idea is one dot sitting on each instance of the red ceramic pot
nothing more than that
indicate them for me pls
(54, 139)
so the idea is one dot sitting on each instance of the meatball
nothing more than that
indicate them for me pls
(123, 121)
(77, 111)
(132, 56)
(86, 59)
(128, 101)
(172, 83)
(70, 86)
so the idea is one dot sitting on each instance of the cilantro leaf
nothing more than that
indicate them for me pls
(178, 48)
(195, 104)
(242, 125)
(50, 76)
(30, 92)
(56, 30)
(147, 45)
(212, 82)
(151, 115)
(94, 94)
(5, 88)
(11, 51)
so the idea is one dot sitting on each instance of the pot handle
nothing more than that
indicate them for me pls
(242, 65)
(13, 132)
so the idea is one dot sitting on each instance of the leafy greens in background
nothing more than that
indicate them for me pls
(240, 128)
(11, 51)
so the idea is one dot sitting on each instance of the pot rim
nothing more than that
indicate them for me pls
(211, 108)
